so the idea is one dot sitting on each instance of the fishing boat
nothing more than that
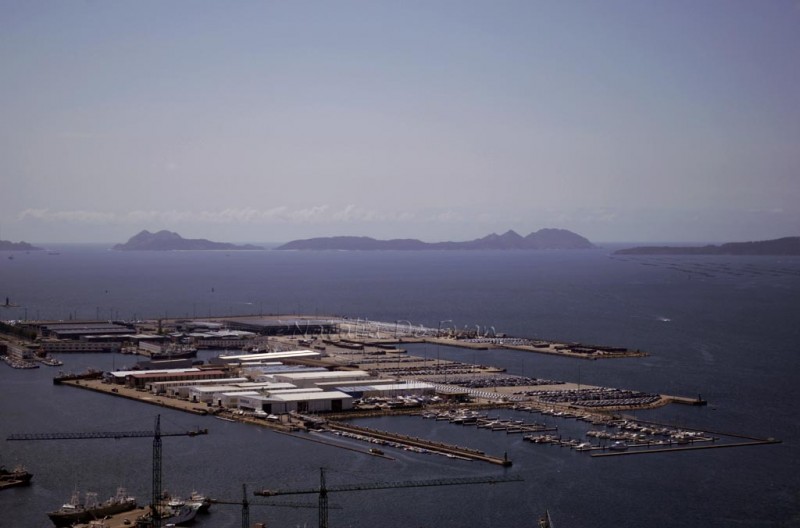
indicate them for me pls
(195, 500)
(14, 477)
(76, 511)
(199, 500)
(179, 516)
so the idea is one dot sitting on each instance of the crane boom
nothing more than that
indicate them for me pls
(155, 434)
(274, 504)
(99, 435)
(323, 489)
(388, 485)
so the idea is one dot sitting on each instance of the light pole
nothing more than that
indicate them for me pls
(438, 334)
(397, 326)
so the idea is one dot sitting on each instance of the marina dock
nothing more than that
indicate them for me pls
(419, 443)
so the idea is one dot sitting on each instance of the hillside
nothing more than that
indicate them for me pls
(7, 245)
(510, 240)
(169, 241)
(778, 246)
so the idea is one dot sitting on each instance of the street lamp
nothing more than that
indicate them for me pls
(438, 333)
(397, 323)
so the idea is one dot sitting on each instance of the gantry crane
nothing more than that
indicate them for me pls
(323, 489)
(155, 434)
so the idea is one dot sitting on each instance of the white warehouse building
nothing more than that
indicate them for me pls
(310, 379)
(302, 402)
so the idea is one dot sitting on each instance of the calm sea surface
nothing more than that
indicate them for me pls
(724, 327)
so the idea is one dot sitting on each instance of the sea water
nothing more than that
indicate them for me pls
(723, 327)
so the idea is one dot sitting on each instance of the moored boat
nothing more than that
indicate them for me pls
(180, 516)
(618, 446)
(76, 511)
(202, 502)
(14, 477)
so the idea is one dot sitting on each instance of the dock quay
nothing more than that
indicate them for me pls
(686, 448)
(360, 371)
(94, 384)
(119, 520)
(447, 449)
(686, 401)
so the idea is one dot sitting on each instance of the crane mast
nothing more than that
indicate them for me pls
(155, 434)
(324, 489)
(156, 474)
(323, 500)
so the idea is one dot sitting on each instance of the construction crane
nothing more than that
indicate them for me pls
(155, 434)
(246, 505)
(323, 489)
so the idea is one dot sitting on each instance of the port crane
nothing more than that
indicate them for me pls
(323, 489)
(155, 434)
(246, 505)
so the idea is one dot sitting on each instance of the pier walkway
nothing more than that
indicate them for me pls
(447, 449)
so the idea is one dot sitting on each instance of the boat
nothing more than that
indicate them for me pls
(618, 446)
(195, 500)
(180, 516)
(76, 511)
(545, 521)
(175, 352)
(49, 361)
(202, 502)
(14, 477)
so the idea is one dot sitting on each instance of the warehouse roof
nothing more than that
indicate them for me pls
(309, 396)
(267, 356)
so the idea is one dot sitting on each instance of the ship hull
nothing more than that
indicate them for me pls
(63, 518)
(17, 477)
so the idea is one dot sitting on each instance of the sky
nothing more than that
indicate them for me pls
(267, 121)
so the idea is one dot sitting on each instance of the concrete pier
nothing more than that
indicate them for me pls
(448, 449)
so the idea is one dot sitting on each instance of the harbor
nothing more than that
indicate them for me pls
(351, 370)
(686, 359)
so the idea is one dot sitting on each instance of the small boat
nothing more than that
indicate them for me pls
(545, 521)
(618, 446)
(375, 451)
(14, 477)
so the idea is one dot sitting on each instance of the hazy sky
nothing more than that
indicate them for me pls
(671, 120)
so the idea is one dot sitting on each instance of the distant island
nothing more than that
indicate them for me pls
(510, 240)
(7, 245)
(169, 241)
(778, 246)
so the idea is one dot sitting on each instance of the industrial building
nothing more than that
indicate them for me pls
(290, 326)
(377, 389)
(77, 330)
(301, 402)
(310, 379)
(266, 357)
(58, 347)
(141, 380)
